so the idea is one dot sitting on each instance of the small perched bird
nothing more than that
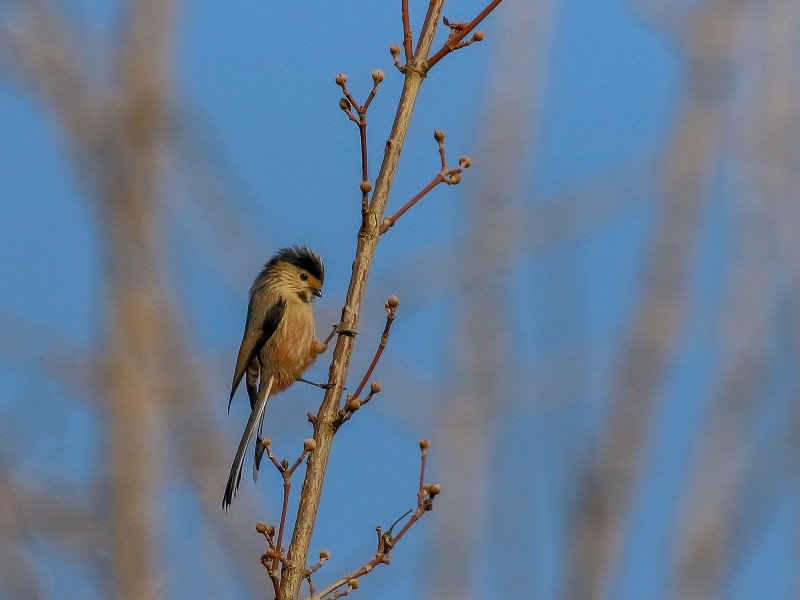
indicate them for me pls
(278, 343)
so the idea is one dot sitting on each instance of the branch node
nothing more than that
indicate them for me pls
(394, 50)
(458, 31)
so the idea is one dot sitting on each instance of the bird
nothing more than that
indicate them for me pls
(279, 342)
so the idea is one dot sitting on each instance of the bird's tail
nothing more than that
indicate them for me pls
(256, 415)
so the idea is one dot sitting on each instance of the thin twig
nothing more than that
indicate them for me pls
(389, 221)
(407, 35)
(274, 558)
(453, 42)
(391, 308)
(387, 541)
(353, 402)
(347, 104)
(268, 531)
(445, 175)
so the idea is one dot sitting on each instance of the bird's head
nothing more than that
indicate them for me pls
(298, 271)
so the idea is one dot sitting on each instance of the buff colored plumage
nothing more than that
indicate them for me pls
(279, 343)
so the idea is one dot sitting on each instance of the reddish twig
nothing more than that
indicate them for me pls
(268, 531)
(458, 31)
(407, 35)
(387, 541)
(353, 402)
(446, 175)
(348, 104)
(391, 308)
(323, 556)
(274, 558)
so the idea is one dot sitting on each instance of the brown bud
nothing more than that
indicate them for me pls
(377, 76)
(366, 187)
(310, 445)
(354, 404)
(394, 49)
(344, 104)
(353, 583)
(375, 388)
(423, 444)
(393, 301)
(434, 489)
(324, 555)
(438, 135)
(266, 442)
(478, 36)
(455, 179)
(312, 418)
(341, 79)
(261, 528)
(269, 529)
(465, 162)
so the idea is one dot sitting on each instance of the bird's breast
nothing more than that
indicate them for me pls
(287, 354)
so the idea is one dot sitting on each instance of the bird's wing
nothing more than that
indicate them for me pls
(251, 378)
(255, 336)
(256, 414)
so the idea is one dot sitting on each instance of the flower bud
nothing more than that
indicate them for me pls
(423, 444)
(438, 135)
(393, 301)
(366, 187)
(394, 49)
(266, 442)
(377, 76)
(455, 179)
(310, 445)
(434, 489)
(324, 555)
(465, 162)
(261, 528)
(341, 79)
(478, 36)
(353, 583)
(354, 404)
(375, 388)
(344, 104)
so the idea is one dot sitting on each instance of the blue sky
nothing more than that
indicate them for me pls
(257, 102)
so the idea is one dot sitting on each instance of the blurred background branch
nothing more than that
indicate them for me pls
(616, 396)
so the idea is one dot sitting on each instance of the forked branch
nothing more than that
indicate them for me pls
(293, 565)
(445, 175)
(458, 31)
(386, 541)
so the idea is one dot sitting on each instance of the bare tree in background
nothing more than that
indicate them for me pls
(736, 120)
(690, 158)
(119, 133)
(720, 512)
(117, 139)
(729, 50)
(480, 374)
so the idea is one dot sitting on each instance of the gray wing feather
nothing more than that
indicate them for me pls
(256, 334)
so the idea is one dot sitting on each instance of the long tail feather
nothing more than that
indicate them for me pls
(259, 449)
(256, 414)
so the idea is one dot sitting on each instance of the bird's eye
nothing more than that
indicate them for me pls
(304, 276)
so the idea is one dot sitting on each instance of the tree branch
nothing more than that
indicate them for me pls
(368, 237)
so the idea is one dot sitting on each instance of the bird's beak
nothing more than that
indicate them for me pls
(317, 292)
